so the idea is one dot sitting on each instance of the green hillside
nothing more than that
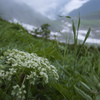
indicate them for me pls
(41, 69)
(91, 19)
(93, 15)
(89, 7)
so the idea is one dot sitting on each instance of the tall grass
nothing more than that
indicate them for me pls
(77, 65)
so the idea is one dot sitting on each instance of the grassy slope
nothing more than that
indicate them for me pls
(72, 68)
(14, 36)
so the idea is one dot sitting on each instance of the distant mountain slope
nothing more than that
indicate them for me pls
(89, 7)
(93, 15)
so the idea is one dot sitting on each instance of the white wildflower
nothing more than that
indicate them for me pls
(32, 65)
(18, 92)
(44, 76)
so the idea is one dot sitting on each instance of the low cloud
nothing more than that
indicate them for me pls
(50, 8)
(45, 7)
(72, 5)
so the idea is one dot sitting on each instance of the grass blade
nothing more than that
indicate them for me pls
(87, 35)
(67, 16)
(79, 20)
(83, 94)
(64, 91)
(98, 97)
(86, 87)
(74, 30)
(65, 71)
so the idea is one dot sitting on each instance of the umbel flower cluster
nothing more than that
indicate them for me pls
(22, 66)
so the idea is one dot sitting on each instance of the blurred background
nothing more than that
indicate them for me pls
(33, 13)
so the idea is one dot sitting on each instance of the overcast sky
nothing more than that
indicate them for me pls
(50, 8)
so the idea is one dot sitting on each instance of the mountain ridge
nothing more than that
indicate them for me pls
(89, 7)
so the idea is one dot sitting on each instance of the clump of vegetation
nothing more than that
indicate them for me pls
(18, 68)
(44, 31)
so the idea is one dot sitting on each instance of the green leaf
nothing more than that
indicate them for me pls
(86, 87)
(98, 97)
(74, 30)
(91, 83)
(83, 94)
(60, 16)
(62, 90)
(87, 35)
(65, 71)
(78, 23)
(4, 96)
(67, 16)
(95, 79)
(27, 89)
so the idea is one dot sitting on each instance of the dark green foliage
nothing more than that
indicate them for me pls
(37, 31)
(44, 31)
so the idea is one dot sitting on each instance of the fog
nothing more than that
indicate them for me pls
(47, 8)
(50, 8)
(21, 11)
